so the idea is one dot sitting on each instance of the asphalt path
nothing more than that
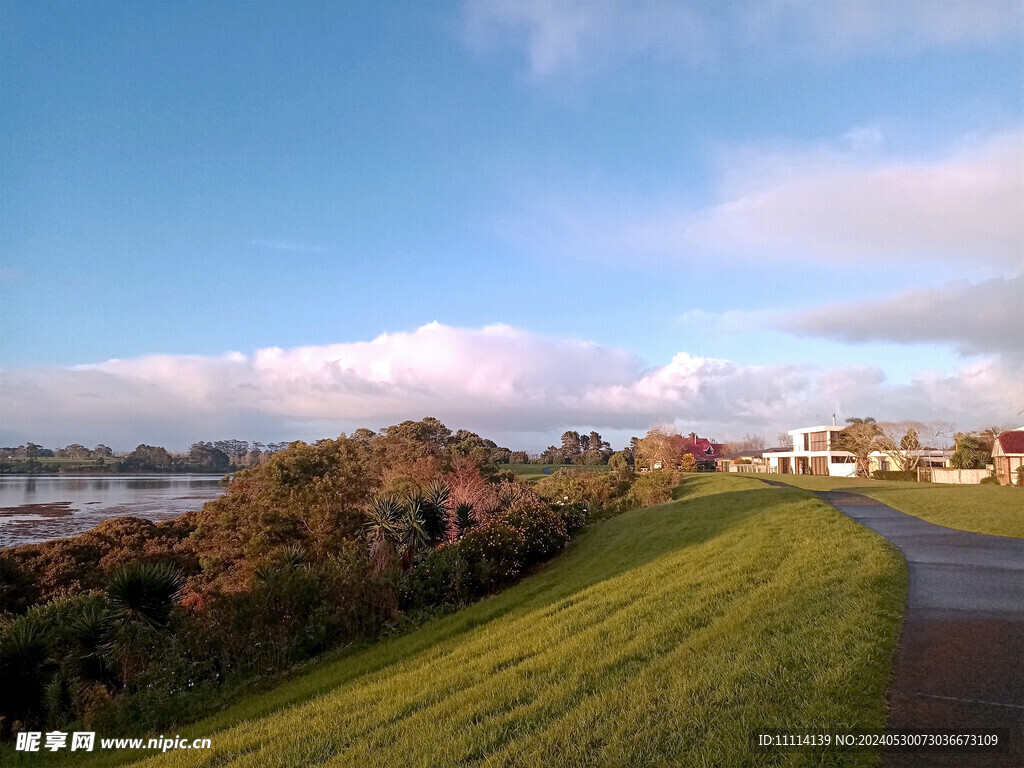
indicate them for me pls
(960, 662)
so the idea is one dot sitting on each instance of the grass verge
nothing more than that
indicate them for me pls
(993, 509)
(664, 636)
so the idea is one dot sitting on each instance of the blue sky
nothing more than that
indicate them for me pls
(755, 185)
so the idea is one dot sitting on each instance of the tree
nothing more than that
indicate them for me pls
(148, 457)
(571, 448)
(235, 449)
(632, 449)
(970, 452)
(784, 439)
(900, 441)
(663, 445)
(598, 450)
(552, 455)
(748, 442)
(206, 457)
(619, 461)
(688, 463)
(861, 439)
(519, 457)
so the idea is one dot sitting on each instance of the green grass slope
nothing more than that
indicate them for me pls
(661, 637)
(993, 509)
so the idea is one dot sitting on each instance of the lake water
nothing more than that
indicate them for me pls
(34, 509)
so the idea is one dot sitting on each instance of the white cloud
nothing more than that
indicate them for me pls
(581, 36)
(842, 203)
(975, 317)
(503, 382)
(962, 207)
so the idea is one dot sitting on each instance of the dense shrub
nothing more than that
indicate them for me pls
(653, 488)
(46, 656)
(543, 529)
(494, 553)
(25, 663)
(573, 515)
(989, 481)
(291, 611)
(36, 573)
(880, 474)
(440, 579)
(599, 493)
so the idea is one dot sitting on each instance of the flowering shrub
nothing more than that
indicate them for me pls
(494, 553)
(573, 515)
(543, 529)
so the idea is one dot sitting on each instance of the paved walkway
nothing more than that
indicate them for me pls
(960, 663)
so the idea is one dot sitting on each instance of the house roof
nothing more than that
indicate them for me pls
(702, 448)
(1012, 441)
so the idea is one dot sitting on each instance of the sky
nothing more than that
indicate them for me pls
(277, 221)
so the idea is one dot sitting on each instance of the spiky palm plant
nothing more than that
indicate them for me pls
(435, 511)
(144, 593)
(289, 558)
(464, 518)
(412, 532)
(91, 632)
(383, 530)
(25, 667)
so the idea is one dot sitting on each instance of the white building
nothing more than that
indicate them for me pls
(812, 454)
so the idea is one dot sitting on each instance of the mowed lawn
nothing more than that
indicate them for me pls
(533, 472)
(664, 636)
(994, 509)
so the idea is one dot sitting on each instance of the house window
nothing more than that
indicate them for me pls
(819, 441)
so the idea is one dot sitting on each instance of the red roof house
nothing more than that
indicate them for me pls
(703, 450)
(1008, 455)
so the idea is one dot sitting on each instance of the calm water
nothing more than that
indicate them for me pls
(34, 509)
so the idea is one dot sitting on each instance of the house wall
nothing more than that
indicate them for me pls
(1006, 467)
(812, 454)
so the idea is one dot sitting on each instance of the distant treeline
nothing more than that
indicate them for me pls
(234, 454)
(218, 456)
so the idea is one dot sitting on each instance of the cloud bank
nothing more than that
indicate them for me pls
(983, 317)
(512, 385)
(962, 207)
(842, 203)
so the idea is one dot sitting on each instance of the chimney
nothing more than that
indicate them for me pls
(693, 437)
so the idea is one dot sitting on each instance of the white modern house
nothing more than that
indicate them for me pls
(812, 454)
